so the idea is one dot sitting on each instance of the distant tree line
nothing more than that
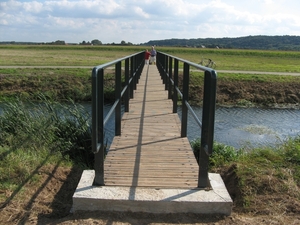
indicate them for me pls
(97, 42)
(59, 42)
(250, 42)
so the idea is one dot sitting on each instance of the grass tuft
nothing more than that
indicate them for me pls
(262, 175)
(33, 134)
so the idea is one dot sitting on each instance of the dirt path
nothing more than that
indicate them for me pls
(46, 67)
(258, 72)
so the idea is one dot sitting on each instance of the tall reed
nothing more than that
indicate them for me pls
(63, 128)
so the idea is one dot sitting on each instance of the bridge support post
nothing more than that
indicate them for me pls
(132, 88)
(175, 96)
(98, 124)
(207, 132)
(185, 98)
(170, 77)
(166, 78)
(118, 89)
(127, 93)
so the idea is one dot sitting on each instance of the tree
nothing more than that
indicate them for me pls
(59, 42)
(96, 42)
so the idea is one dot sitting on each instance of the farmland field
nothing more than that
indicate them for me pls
(226, 59)
(64, 72)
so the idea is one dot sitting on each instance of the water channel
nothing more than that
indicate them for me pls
(243, 127)
(238, 127)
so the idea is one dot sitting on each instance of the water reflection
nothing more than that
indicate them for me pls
(241, 127)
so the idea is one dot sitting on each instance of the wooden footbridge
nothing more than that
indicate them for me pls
(150, 166)
(150, 148)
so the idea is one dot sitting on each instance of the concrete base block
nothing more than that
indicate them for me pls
(151, 200)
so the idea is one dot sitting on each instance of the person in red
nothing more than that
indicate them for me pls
(147, 56)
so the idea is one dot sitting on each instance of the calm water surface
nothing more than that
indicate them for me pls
(237, 127)
(256, 127)
(240, 127)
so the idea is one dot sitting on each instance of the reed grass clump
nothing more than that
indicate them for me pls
(258, 178)
(222, 154)
(31, 133)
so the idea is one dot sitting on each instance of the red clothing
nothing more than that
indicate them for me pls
(147, 55)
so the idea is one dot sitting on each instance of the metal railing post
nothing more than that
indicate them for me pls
(140, 60)
(170, 77)
(98, 124)
(166, 73)
(207, 132)
(185, 98)
(159, 63)
(163, 63)
(135, 71)
(175, 95)
(135, 80)
(163, 68)
(118, 89)
(131, 77)
(127, 93)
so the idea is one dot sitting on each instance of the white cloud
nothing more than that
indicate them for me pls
(34, 7)
(141, 21)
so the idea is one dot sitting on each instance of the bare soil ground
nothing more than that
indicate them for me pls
(266, 94)
(49, 200)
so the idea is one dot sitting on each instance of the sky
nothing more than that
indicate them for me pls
(113, 21)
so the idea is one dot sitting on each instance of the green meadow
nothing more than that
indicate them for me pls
(225, 59)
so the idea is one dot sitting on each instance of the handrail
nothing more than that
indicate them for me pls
(167, 71)
(133, 68)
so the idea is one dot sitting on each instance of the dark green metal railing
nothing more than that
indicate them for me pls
(168, 67)
(133, 67)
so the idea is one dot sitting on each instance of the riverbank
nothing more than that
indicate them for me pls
(250, 90)
(60, 84)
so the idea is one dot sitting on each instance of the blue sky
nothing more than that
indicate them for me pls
(137, 22)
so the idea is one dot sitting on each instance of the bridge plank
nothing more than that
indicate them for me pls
(150, 151)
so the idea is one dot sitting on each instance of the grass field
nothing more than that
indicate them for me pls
(245, 60)
(63, 83)
(226, 59)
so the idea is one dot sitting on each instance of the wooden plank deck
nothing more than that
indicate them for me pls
(150, 151)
